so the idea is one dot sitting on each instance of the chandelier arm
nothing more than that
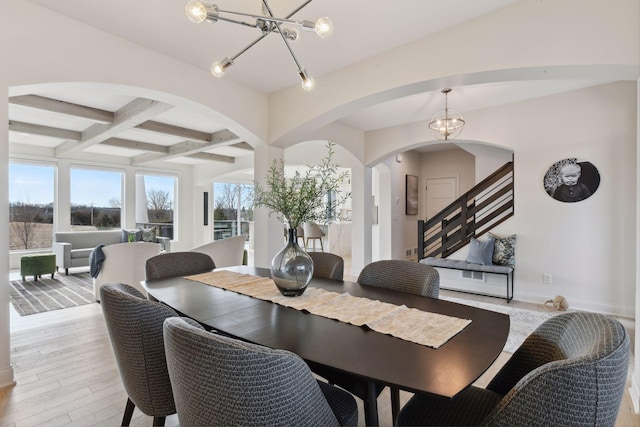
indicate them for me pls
(284, 39)
(272, 18)
(257, 17)
(234, 21)
(296, 10)
(249, 46)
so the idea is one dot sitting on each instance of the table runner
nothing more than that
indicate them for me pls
(409, 324)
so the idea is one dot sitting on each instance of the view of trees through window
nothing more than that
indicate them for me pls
(232, 209)
(155, 202)
(96, 199)
(31, 196)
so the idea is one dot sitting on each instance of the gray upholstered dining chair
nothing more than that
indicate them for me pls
(174, 264)
(327, 265)
(134, 325)
(570, 371)
(402, 275)
(219, 380)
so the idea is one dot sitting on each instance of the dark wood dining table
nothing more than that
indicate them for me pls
(375, 358)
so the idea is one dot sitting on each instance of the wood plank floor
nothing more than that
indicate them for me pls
(66, 374)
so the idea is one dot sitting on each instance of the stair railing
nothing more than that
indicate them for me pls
(474, 213)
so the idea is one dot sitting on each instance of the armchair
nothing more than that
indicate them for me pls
(226, 252)
(125, 263)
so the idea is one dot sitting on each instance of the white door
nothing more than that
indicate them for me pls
(440, 192)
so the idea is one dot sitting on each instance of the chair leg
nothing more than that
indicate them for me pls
(395, 403)
(128, 413)
(158, 421)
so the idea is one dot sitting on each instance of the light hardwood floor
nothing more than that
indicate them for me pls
(66, 373)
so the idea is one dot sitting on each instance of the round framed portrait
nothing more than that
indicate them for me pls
(571, 180)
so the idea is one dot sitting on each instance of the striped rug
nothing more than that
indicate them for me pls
(49, 294)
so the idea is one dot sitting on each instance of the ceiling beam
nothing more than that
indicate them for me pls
(242, 145)
(136, 145)
(223, 137)
(52, 132)
(212, 157)
(62, 107)
(180, 132)
(137, 111)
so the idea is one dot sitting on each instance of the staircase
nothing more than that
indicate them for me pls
(474, 213)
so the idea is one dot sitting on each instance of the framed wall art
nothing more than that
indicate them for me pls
(571, 180)
(411, 195)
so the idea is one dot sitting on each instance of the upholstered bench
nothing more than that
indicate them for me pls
(37, 265)
(458, 264)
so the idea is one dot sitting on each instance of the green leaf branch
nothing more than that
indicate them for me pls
(301, 198)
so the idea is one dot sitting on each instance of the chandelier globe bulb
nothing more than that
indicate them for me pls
(196, 11)
(323, 27)
(218, 68)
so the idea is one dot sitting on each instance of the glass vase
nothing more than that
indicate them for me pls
(292, 267)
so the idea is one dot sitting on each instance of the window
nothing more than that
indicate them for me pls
(31, 212)
(155, 203)
(232, 209)
(96, 199)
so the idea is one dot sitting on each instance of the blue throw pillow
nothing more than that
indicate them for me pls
(481, 252)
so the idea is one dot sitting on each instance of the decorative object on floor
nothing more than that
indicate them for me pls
(523, 321)
(266, 23)
(570, 180)
(558, 302)
(37, 265)
(448, 123)
(30, 297)
(296, 200)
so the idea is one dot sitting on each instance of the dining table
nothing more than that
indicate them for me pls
(376, 359)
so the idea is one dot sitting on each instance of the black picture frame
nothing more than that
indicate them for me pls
(411, 195)
(588, 180)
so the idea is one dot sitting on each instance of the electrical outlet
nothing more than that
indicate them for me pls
(546, 278)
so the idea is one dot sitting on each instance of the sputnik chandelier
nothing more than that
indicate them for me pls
(447, 123)
(266, 23)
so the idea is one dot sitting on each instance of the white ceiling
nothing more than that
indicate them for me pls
(362, 28)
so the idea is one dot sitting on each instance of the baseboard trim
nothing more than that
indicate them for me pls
(579, 304)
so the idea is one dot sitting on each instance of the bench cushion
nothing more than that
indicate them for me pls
(459, 264)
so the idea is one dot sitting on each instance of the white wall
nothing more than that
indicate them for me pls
(588, 247)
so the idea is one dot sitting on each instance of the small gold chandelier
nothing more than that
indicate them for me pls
(448, 123)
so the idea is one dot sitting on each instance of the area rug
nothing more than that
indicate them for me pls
(49, 294)
(523, 321)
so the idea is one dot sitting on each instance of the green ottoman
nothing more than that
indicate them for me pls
(37, 265)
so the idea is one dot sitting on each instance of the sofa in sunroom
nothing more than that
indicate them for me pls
(73, 248)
